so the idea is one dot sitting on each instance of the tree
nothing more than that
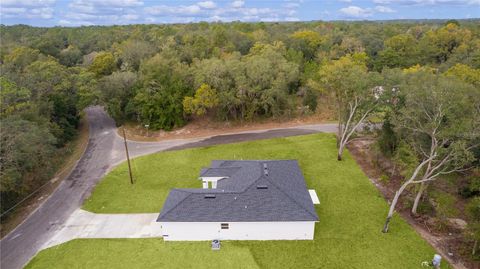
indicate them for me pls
(349, 45)
(355, 92)
(452, 22)
(131, 52)
(440, 123)
(12, 97)
(467, 53)
(164, 81)
(307, 42)
(45, 76)
(70, 56)
(86, 86)
(117, 93)
(54, 92)
(400, 51)
(439, 45)
(222, 75)
(51, 42)
(21, 57)
(473, 211)
(263, 86)
(26, 150)
(257, 84)
(103, 64)
(465, 73)
(204, 99)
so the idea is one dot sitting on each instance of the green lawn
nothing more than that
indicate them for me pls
(348, 235)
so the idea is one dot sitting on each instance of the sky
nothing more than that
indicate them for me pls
(119, 12)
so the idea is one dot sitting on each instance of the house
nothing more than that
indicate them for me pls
(242, 200)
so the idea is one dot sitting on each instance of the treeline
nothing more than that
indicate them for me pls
(39, 114)
(165, 75)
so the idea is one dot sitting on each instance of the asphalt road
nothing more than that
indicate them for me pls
(104, 151)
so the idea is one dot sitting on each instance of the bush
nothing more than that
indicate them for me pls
(384, 178)
(472, 189)
(310, 99)
(387, 140)
(473, 212)
(444, 207)
(425, 208)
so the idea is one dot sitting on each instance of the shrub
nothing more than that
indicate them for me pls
(310, 99)
(472, 188)
(384, 178)
(444, 207)
(473, 211)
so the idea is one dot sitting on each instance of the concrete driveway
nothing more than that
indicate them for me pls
(84, 224)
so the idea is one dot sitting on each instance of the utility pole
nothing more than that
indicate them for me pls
(128, 158)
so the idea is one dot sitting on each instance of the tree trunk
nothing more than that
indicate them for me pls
(393, 170)
(423, 186)
(340, 151)
(475, 246)
(391, 211)
(339, 134)
(392, 206)
(385, 226)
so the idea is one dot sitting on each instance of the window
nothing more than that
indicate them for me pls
(224, 226)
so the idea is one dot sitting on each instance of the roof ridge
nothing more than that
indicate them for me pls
(294, 200)
(180, 202)
(253, 182)
(213, 168)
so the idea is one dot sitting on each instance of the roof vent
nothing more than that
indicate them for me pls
(262, 187)
(209, 196)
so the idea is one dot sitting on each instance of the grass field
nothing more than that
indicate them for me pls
(348, 235)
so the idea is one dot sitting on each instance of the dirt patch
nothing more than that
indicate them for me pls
(204, 127)
(448, 242)
(71, 154)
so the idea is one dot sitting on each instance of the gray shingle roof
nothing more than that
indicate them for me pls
(219, 172)
(238, 198)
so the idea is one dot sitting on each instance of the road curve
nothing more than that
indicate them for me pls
(104, 151)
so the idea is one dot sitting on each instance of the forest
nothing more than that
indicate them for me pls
(419, 79)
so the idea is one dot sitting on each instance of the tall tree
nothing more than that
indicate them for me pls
(12, 97)
(400, 51)
(465, 73)
(131, 52)
(103, 64)
(438, 45)
(356, 93)
(118, 91)
(439, 121)
(26, 150)
(164, 85)
(70, 56)
(205, 98)
(307, 42)
(20, 58)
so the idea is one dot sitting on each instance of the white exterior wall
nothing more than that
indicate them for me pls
(197, 231)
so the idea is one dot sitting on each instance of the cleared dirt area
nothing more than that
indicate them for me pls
(204, 127)
(449, 242)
